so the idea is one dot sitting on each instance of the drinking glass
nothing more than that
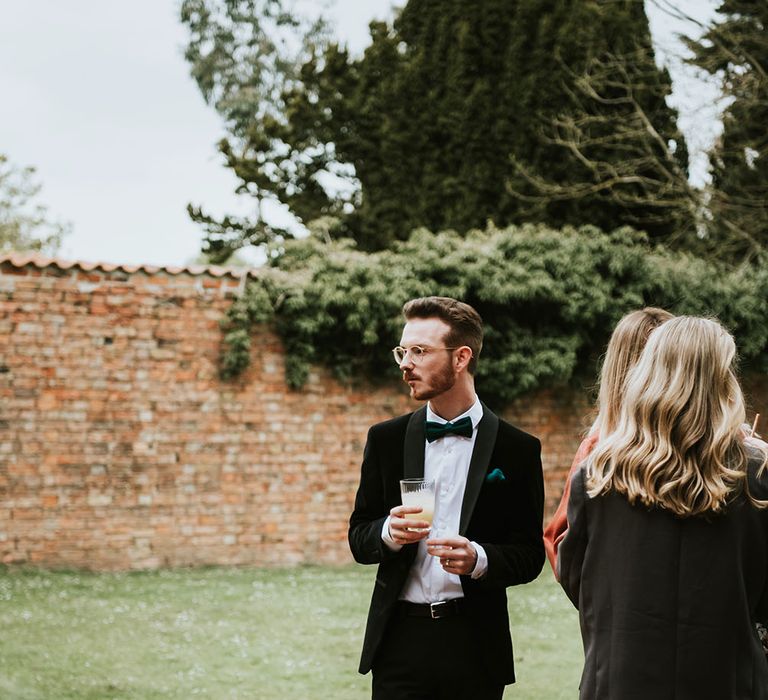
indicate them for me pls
(421, 494)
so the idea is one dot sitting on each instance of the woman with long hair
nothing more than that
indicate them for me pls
(666, 554)
(624, 347)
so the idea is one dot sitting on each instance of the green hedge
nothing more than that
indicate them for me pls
(549, 300)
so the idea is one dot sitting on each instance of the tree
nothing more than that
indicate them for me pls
(627, 159)
(24, 223)
(619, 155)
(245, 55)
(736, 50)
(437, 122)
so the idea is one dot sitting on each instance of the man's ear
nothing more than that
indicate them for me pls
(462, 358)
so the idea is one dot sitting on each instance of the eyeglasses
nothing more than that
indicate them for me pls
(416, 352)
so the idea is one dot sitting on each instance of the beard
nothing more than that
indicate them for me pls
(442, 380)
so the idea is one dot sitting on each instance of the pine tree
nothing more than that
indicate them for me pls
(457, 93)
(736, 49)
(606, 149)
(450, 119)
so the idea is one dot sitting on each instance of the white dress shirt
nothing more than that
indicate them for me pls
(446, 460)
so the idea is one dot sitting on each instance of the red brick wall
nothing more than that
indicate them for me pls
(120, 448)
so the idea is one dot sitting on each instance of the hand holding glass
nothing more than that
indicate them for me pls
(419, 493)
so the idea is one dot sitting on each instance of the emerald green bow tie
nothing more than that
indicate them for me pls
(435, 431)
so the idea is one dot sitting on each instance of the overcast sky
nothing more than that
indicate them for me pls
(97, 96)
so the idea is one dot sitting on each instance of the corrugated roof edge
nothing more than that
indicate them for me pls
(41, 261)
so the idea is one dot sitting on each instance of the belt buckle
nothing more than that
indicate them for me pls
(434, 609)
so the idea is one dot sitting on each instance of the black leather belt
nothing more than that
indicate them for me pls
(436, 610)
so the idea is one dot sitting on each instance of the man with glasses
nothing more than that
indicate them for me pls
(438, 625)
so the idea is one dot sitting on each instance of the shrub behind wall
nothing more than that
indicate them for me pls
(549, 300)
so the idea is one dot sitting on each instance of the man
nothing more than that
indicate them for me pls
(438, 625)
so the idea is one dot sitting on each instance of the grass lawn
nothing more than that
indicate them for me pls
(287, 634)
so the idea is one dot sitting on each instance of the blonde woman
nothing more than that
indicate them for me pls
(627, 342)
(666, 554)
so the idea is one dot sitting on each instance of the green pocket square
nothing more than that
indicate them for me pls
(495, 475)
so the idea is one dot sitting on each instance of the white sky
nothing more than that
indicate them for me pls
(97, 96)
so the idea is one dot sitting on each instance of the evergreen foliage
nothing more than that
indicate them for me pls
(245, 56)
(549, 299)
(736, 50)
(598, 143)
(445, 122)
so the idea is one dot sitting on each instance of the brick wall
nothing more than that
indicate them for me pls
(120, 448)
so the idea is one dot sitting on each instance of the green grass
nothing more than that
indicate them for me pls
(288, 634)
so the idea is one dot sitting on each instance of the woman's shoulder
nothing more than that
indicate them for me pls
(589, 442)
(579, 460)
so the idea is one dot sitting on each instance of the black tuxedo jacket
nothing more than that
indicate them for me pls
(504, 515)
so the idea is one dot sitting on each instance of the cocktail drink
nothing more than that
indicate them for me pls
(419, 493)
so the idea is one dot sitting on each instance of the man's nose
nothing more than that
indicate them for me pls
(406, 362)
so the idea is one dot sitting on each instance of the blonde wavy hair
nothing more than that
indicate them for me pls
(678, 442)
(627, 342)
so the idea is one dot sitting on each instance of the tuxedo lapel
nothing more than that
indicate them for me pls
(413, 449)
(478, 465)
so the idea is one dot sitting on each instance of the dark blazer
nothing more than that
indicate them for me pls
(667, 605)
(504, 515)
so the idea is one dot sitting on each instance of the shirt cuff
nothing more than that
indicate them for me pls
(481, 565)
(391, 544)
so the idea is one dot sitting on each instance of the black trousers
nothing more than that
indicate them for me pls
(425, 659)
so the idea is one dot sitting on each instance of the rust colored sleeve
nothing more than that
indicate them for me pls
(558, 525)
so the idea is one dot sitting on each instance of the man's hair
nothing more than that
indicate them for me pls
(466, 326)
